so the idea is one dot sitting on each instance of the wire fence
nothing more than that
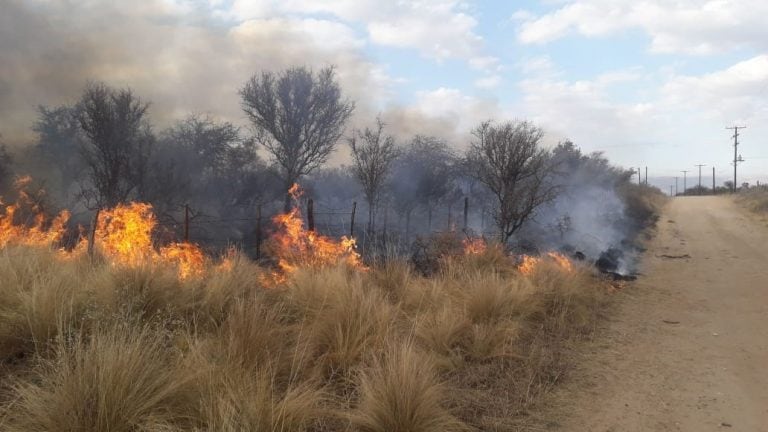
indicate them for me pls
(249, 234)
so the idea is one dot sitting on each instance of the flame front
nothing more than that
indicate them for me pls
(37, 232)
(124, 233)
(563, 261)
(474, 246)
(296, 247)
(529, 263)
(189, 259)
(124, 236)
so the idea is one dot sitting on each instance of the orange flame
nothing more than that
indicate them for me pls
(124, 236)
(529, 263)
(296, 247)
(124, 233)
(39, 231)
(474, 246)
(227, 260)
(188, 258)
(563, 261)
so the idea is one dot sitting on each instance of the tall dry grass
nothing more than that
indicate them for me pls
(754, 199)
(91, 347)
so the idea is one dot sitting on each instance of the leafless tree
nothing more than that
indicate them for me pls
(60, 139)
(298, 117)
(508, 159)
(372, 155)
(117, 145)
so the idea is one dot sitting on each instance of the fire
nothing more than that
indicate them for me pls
(124, 233)
(124, 236)
(188, 258)
(474, 246)
(296, 247)
(529, 263)
(39, 231)
(295, 191)
(563, 261)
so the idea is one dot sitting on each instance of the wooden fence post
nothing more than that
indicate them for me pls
(92, 234)
(352, 220)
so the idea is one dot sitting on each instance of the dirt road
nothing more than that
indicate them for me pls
(688, 349)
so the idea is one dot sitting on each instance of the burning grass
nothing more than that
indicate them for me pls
(296, 247)
(90, 345)
(148, 338)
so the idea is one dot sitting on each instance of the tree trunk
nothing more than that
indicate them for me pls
(370, 218)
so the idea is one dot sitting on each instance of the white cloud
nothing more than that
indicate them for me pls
(588, 111)
(541, 65)
(737, 93)
(683, 26)
(462, 110)
(438, 29)
(488, 82)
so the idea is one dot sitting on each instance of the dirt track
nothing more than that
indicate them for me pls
(688, 348)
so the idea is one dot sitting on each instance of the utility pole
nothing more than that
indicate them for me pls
(646, 176)
(736, 157)
(685, 180)
(676, 185)
(714, 190)
(700, 165)
(639, 176)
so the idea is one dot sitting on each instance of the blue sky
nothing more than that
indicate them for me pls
(649, 83)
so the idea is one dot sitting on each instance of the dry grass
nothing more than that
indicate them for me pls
(754, 199)
(118, 379)
(90, 347)
(401, 392)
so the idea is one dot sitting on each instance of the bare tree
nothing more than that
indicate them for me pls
(508, 160)
(60, 139)
(117, 145)
(298, 117)
(195, 163)
(372, 154)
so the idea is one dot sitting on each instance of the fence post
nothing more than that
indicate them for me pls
(258, 231)
(466, 213)
(311, 214)
(92, 235)
(352, 221)
(186, 223)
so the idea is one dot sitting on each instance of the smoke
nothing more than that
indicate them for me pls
(185, 59)
(590, 215)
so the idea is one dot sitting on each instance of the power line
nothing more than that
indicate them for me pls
(736, 157)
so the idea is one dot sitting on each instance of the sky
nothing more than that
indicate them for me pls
(648, 82)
